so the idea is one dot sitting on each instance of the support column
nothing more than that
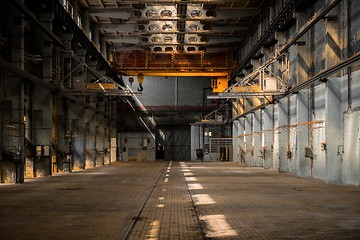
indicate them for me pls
(11, 112)
(42, 103)
(333, 119)
(99, 138)
(258, 160)
(333, 130)
(249, 150)
(95, 35)
(242, 147)
(86, 22)
(107, 160)
(62, 138)
(236, 141)
(114, 132)
(281, 127)
(268, 136)
(77, 131)
(103, 48)
(302, 133)
(90, 154)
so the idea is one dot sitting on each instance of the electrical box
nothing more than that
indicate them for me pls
(270, 84)
(38, 150)
(308, 152)
(79, 82)
(46, 150)
(145, 142)
(219, 84)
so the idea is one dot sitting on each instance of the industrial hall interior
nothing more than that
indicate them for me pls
(179, 119)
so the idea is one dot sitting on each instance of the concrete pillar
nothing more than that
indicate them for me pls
(47, 47)
(75, 5)
(300, 53)
(90, 154)
(258, 160)
(42, 129)
(241, 148)
(197, 140)
(61, 132)
(292, 119)
(103, 48)
(107, 141)
(77, 113)
(113, 133)
(302, 133)
(281, 132)
(268, 136)
(333, 121)
(12, 109)
(99, 138)
(86, 22)
(95, 35)
(235, 145)
(248, 139)
(42, 108)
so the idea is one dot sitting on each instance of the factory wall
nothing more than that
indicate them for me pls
(331, 140)
(47, 123)
(313, 131)
(173, 100)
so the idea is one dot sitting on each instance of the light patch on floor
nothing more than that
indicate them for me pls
(217, 226)
(190, 179)
(188, 174)
(161, 205)
(154, 231)
(161, 198)
(202, 199)
(195, 186)
(185, 170)
(166, 180)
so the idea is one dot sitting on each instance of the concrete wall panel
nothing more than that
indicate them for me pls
(318, 131)
(351, 158)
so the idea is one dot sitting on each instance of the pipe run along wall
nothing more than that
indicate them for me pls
(314, 133)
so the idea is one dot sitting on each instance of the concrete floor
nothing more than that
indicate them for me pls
(178, 200)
